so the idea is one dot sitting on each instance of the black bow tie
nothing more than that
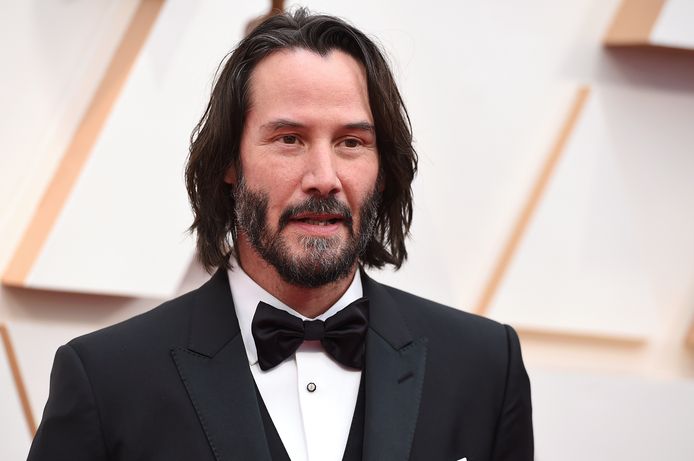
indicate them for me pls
(278, 334)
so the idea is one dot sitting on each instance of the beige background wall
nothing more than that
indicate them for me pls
(599, 280)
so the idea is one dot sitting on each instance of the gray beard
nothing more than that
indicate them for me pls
(324, 259)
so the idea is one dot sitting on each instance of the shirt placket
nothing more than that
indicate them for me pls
(326, 395)
(314, 398)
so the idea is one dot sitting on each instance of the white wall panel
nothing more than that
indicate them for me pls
(594, 259)
(581, 417)
(54, 54)
(675, 25)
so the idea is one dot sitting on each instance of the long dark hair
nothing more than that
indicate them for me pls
(216, 138)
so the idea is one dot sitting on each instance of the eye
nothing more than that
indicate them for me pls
(351, 143)
(289, 139)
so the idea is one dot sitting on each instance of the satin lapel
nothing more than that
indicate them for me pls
(214, 369)
(395, 365)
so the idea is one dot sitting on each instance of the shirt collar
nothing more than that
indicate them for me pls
(246, 294)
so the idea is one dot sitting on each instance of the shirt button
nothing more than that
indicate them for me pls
(311, 387)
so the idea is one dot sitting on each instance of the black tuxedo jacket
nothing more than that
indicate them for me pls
(174, 384)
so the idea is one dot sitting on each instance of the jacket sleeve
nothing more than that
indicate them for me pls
(70, 428)
(514, 430)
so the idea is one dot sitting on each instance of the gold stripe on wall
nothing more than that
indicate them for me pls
(18, 381)
(634, 22)
(82, 142)
(531, 203)
(690, 336)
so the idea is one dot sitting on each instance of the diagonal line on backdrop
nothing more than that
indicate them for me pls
(18, 381)
(690, 336)
(80, 146)
(536, 193)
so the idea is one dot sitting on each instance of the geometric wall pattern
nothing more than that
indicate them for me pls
(655, 24)
(117, 195)
(106, 198)
(611, 195)
(556, 196)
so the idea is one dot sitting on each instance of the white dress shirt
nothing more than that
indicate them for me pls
(313, 425)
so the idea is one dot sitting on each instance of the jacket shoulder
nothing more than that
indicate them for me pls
(165, 324)
(427, 316)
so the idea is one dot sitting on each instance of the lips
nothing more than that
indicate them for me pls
(318, 219)
(314, 213)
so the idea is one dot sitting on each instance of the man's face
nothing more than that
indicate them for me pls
(308, 197)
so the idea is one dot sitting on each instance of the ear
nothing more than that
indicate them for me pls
(230, 176)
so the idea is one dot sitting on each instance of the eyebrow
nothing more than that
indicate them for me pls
(286, 123)
(279, 124)
(362, 126)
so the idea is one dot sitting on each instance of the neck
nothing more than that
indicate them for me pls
(309, 302)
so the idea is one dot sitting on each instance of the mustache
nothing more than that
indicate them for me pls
(318, 205)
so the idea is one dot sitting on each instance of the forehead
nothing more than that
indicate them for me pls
(288, 81)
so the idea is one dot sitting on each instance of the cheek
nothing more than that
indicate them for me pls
(276, 182)
(360, 183)
(365, 172)
(266, 172)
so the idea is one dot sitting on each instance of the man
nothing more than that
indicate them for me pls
(304, 160)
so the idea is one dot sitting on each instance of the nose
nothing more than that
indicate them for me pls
(320, 174)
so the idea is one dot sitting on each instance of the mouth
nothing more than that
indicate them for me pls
(317, 219)
(317, 224)
(318, 216)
